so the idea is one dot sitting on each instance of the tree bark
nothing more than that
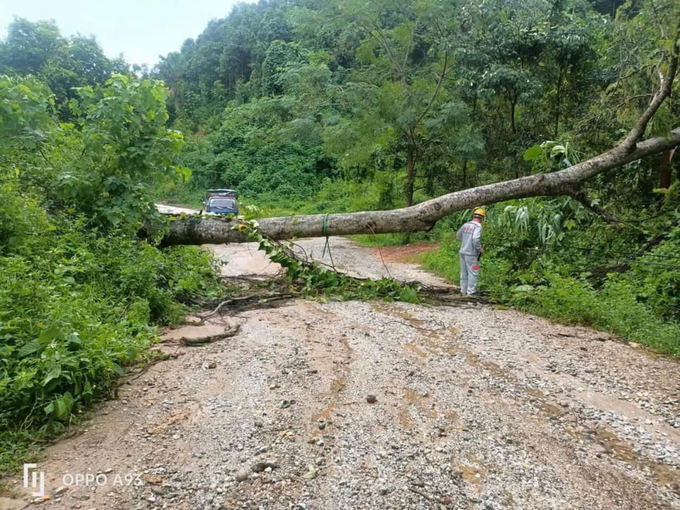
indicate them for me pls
(665, 159)
(559, 103)
(410, 174)
(197, 230)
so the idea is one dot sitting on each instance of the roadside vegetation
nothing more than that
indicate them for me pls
(576, 275)
(81, 296)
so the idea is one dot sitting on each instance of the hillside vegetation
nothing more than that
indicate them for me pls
(80, 294)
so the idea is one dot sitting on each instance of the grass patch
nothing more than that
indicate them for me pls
(444, 262)
(378, 240)
(616, 307)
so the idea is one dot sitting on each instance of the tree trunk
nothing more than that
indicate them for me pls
(410, 182)
(513, 104)
(559, 103)
(198, 230)
(465, 163)
(410, 174)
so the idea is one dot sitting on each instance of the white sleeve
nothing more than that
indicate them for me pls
(477, 239)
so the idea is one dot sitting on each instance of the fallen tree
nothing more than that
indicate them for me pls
(199, 230)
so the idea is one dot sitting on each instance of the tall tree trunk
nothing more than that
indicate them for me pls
(410, 174)
(410, 182)
(465, 159)
(197, 230)
(465, 163)
(559, 103)
(513, 104)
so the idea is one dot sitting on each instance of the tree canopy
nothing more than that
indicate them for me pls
(39, 49)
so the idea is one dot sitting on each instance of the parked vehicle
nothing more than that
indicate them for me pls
(221, 201)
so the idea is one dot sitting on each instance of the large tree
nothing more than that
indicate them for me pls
(65, 64)
(424, 215)
(395, 99)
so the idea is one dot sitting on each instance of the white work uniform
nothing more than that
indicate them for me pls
(470, 236)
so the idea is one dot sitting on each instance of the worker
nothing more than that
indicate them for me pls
(471, 249)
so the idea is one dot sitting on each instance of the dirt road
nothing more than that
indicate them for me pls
(470, 408)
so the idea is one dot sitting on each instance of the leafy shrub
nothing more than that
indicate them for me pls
(75, 309)
(80, 294)
(517, 269)
(656, 277)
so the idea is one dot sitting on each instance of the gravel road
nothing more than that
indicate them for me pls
(345, 405)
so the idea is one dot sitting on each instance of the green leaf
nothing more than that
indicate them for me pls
(60, 408)
(74, 339)
(54, 373)
(49, 334)
(532, 153)
(29, 348)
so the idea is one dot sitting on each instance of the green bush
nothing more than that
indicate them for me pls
(80, 294)
(656, 277)
(640, 305)
(77, 307)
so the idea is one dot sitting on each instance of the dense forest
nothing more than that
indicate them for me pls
(308, 106)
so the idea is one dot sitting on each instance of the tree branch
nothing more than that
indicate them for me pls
(192, 342)
(665, 87)
(45, 157)
(410, 47)
(436, 90)
(382, 39)
(623, 266)
(578, 193)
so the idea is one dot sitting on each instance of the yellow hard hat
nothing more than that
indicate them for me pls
(479, 212)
